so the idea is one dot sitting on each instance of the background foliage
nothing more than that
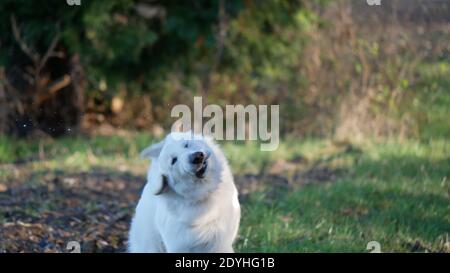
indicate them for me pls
(332, 73)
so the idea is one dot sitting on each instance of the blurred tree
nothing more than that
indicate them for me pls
(115, 41)
(136, 46)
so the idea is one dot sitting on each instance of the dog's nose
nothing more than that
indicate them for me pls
(197, 157)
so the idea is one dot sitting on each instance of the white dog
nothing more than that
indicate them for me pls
(190, 202)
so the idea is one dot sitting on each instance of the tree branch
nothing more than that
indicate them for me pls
(27, 50)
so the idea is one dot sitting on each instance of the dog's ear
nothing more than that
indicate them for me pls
(157, 180)
(159, 184)
(152, 151)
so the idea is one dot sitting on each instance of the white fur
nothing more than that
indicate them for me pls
(179, 212)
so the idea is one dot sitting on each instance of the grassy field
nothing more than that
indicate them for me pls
(308, 196)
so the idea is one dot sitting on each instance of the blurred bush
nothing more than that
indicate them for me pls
(337, 68)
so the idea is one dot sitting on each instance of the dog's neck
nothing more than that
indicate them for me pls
(171, 195)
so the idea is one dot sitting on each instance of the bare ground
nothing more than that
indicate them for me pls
(95, 208)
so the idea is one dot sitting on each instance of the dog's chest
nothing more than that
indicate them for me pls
(190, 214)
(194, 220)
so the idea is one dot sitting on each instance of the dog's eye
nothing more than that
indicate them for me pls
(186, 145)
(174, 159)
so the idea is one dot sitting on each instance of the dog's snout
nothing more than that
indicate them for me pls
(197, 157)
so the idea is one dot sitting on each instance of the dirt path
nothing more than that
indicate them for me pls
(94, 209)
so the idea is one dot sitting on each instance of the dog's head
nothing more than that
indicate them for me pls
(188, 164)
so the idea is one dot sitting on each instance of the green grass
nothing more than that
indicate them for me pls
(396, 193)
(431, 103)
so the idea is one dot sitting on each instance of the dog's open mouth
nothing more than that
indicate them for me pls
(200, 173)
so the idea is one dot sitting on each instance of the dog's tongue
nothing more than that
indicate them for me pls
(201, 171)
